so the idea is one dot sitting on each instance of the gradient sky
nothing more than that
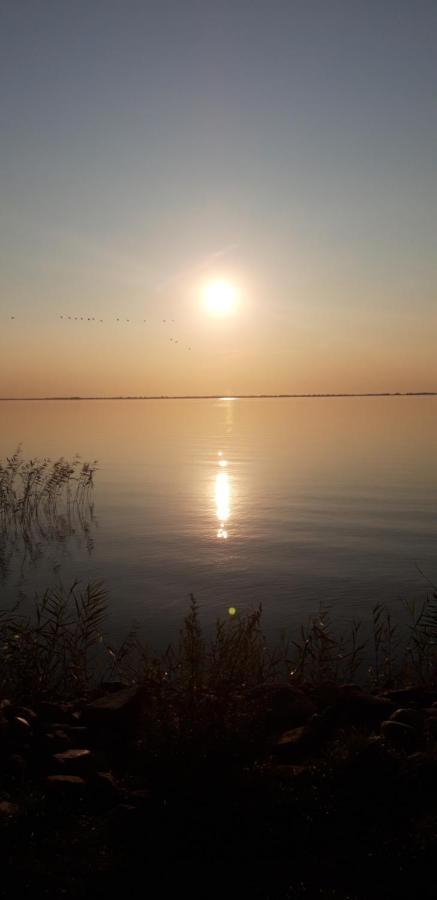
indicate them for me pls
(290, 147)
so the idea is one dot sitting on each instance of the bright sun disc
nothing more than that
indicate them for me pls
(220, 297)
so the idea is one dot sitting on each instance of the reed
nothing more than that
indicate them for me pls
(58, 648)
(42, 501)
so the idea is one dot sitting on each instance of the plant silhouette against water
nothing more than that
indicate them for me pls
(43, 501)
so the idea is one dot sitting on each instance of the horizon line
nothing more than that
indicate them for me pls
(228, 396)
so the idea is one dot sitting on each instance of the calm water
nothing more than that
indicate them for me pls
(285, 502)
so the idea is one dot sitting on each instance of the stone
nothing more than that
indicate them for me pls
(16, 764)
(77, 734)
(280, 705)
(328, 693)
(103, 790)
(21, 729)
(358, 708)
(296, 743)
(26, 713)
(55, 712)
(54, 741)
(409, 716)
(121, 817)
(399, 735)
(431, 726)
(77, 761)
(139, 797)
(114, 710)
(8, 810)
(4, 727)
(422, 771)
(414, 695)
(65, 788)
(111, 687)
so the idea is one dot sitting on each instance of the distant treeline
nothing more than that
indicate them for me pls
(233, 397)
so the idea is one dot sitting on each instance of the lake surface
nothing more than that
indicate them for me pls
(284, 502)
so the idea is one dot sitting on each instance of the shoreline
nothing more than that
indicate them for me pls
(233, 397)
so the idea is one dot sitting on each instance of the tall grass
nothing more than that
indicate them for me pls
(53, 650)
(43, 501)
(58, 648)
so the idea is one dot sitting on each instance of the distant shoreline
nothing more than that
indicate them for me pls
(233, 397)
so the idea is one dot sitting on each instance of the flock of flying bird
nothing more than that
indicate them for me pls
(172, 340)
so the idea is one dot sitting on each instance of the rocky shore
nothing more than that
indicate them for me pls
(324, 790)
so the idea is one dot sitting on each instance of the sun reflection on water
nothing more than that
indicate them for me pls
(222, 498)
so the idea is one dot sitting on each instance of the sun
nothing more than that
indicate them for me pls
(220, 297)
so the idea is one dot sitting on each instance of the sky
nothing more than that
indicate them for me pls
(287, 147)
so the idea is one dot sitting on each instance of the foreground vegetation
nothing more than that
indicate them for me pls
(306, 769)
(57, 648)
(225, 765)
(43, 501)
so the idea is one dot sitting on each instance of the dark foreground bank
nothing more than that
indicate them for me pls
(327, 791)
(224, 767)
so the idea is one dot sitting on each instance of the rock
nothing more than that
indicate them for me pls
(431, 726)
(118, 709)
(55, 712)
(421, 768)
(139, 797)
(325, 694)
(122, 818)
(4, 728)
(279, 705)
(77, 761)
(65, 788)
(410, 695)
(418, 758)
(372, 749)
(62, 740)
(372, 759)
(16, 764)
(8, 810)
(111, 687)
(409, 716)
(296, 743)
(77, 735)
(54, 741)
(20, 728)
(26, 713)
(356, 707)
(399, 735)
(293, 771)
(348, 704)
(103, 790)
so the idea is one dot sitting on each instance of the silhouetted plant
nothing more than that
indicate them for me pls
(54, 649)
(43, 501)
(322, 655)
